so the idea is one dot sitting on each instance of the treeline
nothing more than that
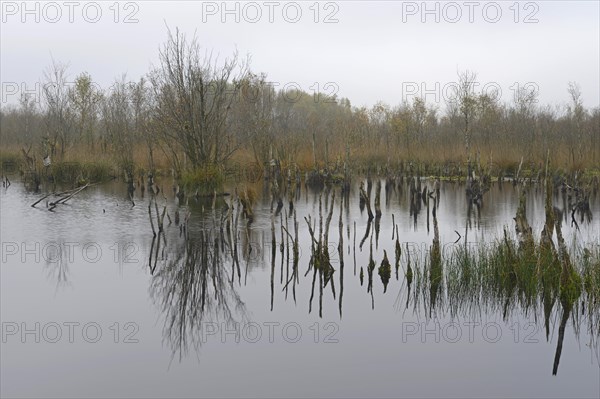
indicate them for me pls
(194, 111)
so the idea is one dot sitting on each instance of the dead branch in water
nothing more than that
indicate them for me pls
(71, 193)
(40, 200)
(65, 199)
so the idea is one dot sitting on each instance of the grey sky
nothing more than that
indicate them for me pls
(375, 51)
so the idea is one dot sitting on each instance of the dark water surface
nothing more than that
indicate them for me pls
(83, 314)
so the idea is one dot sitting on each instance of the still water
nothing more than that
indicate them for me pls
(89, 307)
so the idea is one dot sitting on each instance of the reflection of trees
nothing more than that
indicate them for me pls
(516, 276)
(57, 266)
(194, 288)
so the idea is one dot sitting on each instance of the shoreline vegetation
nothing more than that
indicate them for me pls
(201, 121)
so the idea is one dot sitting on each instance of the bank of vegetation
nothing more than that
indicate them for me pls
(198, 119)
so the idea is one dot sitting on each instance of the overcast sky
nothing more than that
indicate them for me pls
(371, 51)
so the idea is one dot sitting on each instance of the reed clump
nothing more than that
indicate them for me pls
(70, 172)
(10, 162)
(204, 180)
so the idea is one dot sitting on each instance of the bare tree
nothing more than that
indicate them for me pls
(419, 111)
(141, 105)
(59, 116)
(577, 115)
(27, 111)
(254, 116)
(525, 113)
(84, 98)
(401, 125)
(119, 124)
(193, 94)
(489, 116)
(465, 101)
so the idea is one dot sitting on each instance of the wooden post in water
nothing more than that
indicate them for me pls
(378, 199)
(365, 198)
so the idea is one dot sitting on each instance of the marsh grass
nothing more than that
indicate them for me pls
(205, 180)
(427, 159)
(69, 172)
(10, 162)
(504, 277)
(590, 274)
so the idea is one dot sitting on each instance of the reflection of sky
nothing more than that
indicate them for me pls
(371, 358)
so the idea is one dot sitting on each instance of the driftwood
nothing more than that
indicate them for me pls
(65, 199)
(65, 196)
(40, 200)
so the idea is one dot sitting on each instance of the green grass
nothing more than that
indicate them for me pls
(503, 277)
(205, 180)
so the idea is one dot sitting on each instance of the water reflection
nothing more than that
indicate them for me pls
(449, 254)
(193, 288)
(57, 258)
(196, 280)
